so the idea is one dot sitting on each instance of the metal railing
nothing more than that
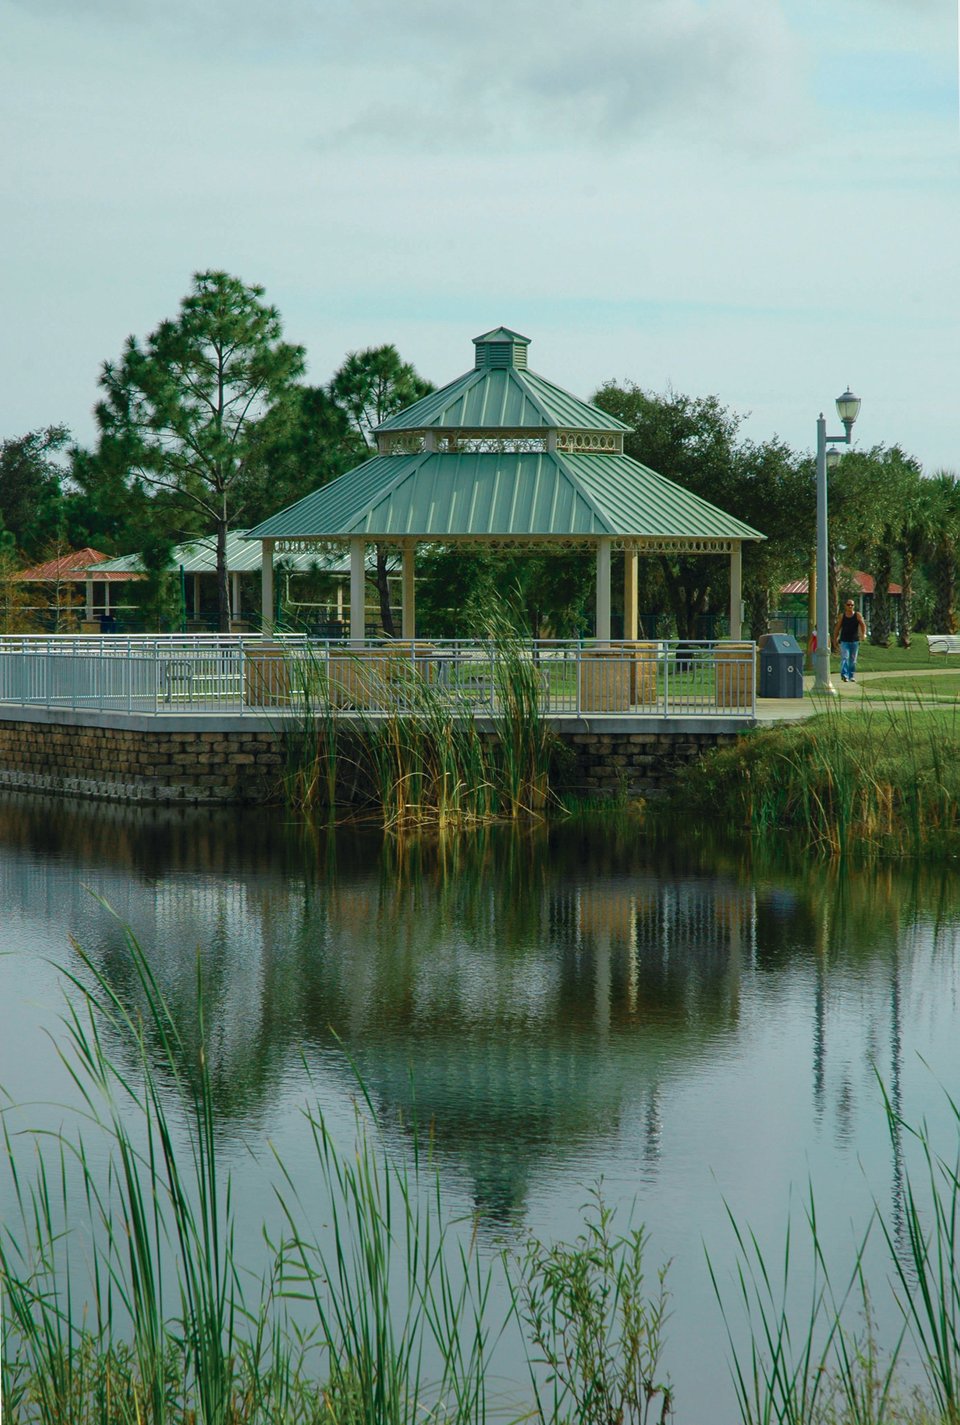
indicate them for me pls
(220, 673)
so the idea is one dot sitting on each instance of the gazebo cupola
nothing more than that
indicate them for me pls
(500, 407)
(504, 457)
(500, 348)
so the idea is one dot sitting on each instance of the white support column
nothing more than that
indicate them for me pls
(88, 612)
(235, 595)
(604, 547)
(106, 597)
(409, 598)
(630, 593)
(358, 589)
(266, 586)
(736, 590)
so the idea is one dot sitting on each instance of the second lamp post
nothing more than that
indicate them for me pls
(848, 408)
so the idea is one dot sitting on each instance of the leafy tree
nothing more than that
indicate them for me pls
(31, 476)
(370, 386)
(16, 615)
(299, 445)
(695, 441)
(180, 413)
(548, 595)
(870, 494)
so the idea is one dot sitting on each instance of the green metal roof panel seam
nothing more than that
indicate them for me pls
(501, 398)
(637, 500)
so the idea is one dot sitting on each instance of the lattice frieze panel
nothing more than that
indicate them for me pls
(580, 442)
(403, 444)
(641, 544)
(493, 445)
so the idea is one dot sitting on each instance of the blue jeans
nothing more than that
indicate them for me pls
(848, 665)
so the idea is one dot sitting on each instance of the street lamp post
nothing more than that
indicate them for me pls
(848, 408)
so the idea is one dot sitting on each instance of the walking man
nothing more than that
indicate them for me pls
(850, 629)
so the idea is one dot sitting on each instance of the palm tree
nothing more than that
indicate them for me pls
(915, 538)
(943, 497)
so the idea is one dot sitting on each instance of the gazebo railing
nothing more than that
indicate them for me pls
(287, 675)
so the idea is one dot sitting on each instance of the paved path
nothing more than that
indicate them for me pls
(849, 695)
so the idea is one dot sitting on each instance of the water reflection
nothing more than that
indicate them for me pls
(530, 998)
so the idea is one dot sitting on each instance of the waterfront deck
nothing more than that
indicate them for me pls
(208, 678)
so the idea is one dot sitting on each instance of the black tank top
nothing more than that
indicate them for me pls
(850, 629)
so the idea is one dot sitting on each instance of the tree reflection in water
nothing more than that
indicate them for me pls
(526, 995)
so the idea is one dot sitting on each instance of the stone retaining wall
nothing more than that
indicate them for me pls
(632, 764)
(135, 760)
(132, 764)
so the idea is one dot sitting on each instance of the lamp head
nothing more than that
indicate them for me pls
(848, 408)
(834, 456)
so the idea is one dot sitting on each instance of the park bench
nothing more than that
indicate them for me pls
(943, 643)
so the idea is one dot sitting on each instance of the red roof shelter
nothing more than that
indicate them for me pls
(78, 566)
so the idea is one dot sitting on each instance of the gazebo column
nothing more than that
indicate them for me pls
(630, 593)
(604, 547)
(358, 589)
(736, 589)
(266, 587)
(88, 611)
(235, 595)
(409, 598)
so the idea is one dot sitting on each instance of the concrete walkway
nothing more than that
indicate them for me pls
(849, 695)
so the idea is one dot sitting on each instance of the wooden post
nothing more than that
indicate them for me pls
(409, 621)
(358, 588)
(630, 594)
(266, 587)
(736, 590)
(603, 589)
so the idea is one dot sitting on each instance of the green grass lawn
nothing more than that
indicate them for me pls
(897, 660)
(945, 689)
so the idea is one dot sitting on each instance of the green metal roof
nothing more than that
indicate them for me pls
(200, 557)
(510, 494)
(434, 495)
(500, 334)
(501, 394)
(501, 398)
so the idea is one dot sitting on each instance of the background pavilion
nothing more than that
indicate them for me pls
(503, 457)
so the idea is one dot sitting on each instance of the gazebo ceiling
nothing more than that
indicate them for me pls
(547, 467)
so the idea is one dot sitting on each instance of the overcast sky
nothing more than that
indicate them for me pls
(753, 198)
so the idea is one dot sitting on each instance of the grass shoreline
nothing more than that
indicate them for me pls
(874, 781)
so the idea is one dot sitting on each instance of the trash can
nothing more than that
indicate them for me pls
(781, 666)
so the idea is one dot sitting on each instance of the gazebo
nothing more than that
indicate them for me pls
(501, 456)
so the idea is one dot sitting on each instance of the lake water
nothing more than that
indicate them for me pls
(560, 1007)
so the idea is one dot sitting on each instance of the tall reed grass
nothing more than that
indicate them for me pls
(126, 1299)
(823, 1364)
(885, 781)
(374, 734)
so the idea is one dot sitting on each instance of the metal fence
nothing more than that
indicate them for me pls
(238, 674)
